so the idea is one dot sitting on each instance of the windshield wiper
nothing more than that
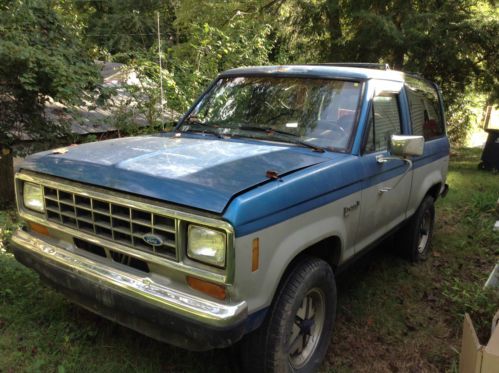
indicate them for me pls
(291, 137)
(197, 126)
(268, 130)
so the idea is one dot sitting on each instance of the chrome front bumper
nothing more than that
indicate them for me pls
(201, 324)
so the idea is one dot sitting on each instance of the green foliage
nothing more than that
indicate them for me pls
(45, 48)
(125, 26)
(453, 43)
(41, 56)
(8, 223)
(212, 50)
(460, 119)
(188, 68)
(146, 94)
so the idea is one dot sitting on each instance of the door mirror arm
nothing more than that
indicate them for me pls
(383, 159)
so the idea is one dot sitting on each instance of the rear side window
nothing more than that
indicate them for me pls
(424, 107)
(384, 122)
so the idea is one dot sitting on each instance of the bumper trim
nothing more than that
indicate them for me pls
(142, 288)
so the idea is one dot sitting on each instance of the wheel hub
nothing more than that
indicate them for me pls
(424, 231)
(307, 328)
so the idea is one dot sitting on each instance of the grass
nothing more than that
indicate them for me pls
(392, 316)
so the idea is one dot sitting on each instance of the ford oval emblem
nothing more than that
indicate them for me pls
(153, 239)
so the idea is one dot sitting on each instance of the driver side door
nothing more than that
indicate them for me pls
(385, 186)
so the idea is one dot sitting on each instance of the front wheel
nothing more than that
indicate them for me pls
(297, 331)
(416, 236)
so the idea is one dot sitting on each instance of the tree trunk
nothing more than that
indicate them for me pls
(7, 194)
(336, 34)
(401, 49)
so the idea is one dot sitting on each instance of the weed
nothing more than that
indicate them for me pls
(470, 297)
(8, 223)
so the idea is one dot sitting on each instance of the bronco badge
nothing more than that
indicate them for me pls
(347, 210)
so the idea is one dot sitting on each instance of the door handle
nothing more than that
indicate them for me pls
(382, 159)
(384, 189)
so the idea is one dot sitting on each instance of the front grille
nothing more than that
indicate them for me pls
(112, 221)
(113, 255)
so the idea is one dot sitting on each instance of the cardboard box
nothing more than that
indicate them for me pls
(493, 280)
(476, 358)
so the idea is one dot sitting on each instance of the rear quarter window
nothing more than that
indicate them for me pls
(424, 108)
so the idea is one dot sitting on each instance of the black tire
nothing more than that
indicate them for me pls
(417, 234)
(270, 348)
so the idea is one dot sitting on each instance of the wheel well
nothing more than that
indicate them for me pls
(329, 250)
(434, 191)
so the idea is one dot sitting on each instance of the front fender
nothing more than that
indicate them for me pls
(281, 243)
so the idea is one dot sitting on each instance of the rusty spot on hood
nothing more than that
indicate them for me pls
(272, 174)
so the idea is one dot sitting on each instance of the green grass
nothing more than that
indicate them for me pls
(392, 316)
(41, 332)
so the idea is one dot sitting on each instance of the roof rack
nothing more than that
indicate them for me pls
(365, 65)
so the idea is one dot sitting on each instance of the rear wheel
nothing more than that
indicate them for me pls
(417, 235)
(297, 331)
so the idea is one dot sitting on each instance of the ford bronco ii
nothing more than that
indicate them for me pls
(232, 226)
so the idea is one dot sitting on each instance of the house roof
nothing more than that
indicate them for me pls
(89, 118)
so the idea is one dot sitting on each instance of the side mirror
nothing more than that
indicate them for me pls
(404, 146)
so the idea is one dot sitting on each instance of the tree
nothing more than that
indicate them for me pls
(45, 47)
(42, 56)
(125, 27)
(453, 42)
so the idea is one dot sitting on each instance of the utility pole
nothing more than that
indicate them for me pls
(160, 69)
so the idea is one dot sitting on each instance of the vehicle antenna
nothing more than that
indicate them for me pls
(160, 72)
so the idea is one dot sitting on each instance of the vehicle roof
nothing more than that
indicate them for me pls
(323, 71)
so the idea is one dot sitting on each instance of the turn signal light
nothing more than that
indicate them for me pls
(214, 290)
(255, 255)
(38, 228)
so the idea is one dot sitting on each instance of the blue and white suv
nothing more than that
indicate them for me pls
(235, 224)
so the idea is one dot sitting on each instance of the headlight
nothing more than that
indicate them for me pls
(206, 245)
(33, 197)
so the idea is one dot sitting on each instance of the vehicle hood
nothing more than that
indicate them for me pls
(203, 173)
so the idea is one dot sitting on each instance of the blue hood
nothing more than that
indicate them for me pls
(202, 173)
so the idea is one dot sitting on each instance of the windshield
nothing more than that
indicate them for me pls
(312, 112)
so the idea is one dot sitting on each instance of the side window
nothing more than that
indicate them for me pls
(424, 108)
(384, 122)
